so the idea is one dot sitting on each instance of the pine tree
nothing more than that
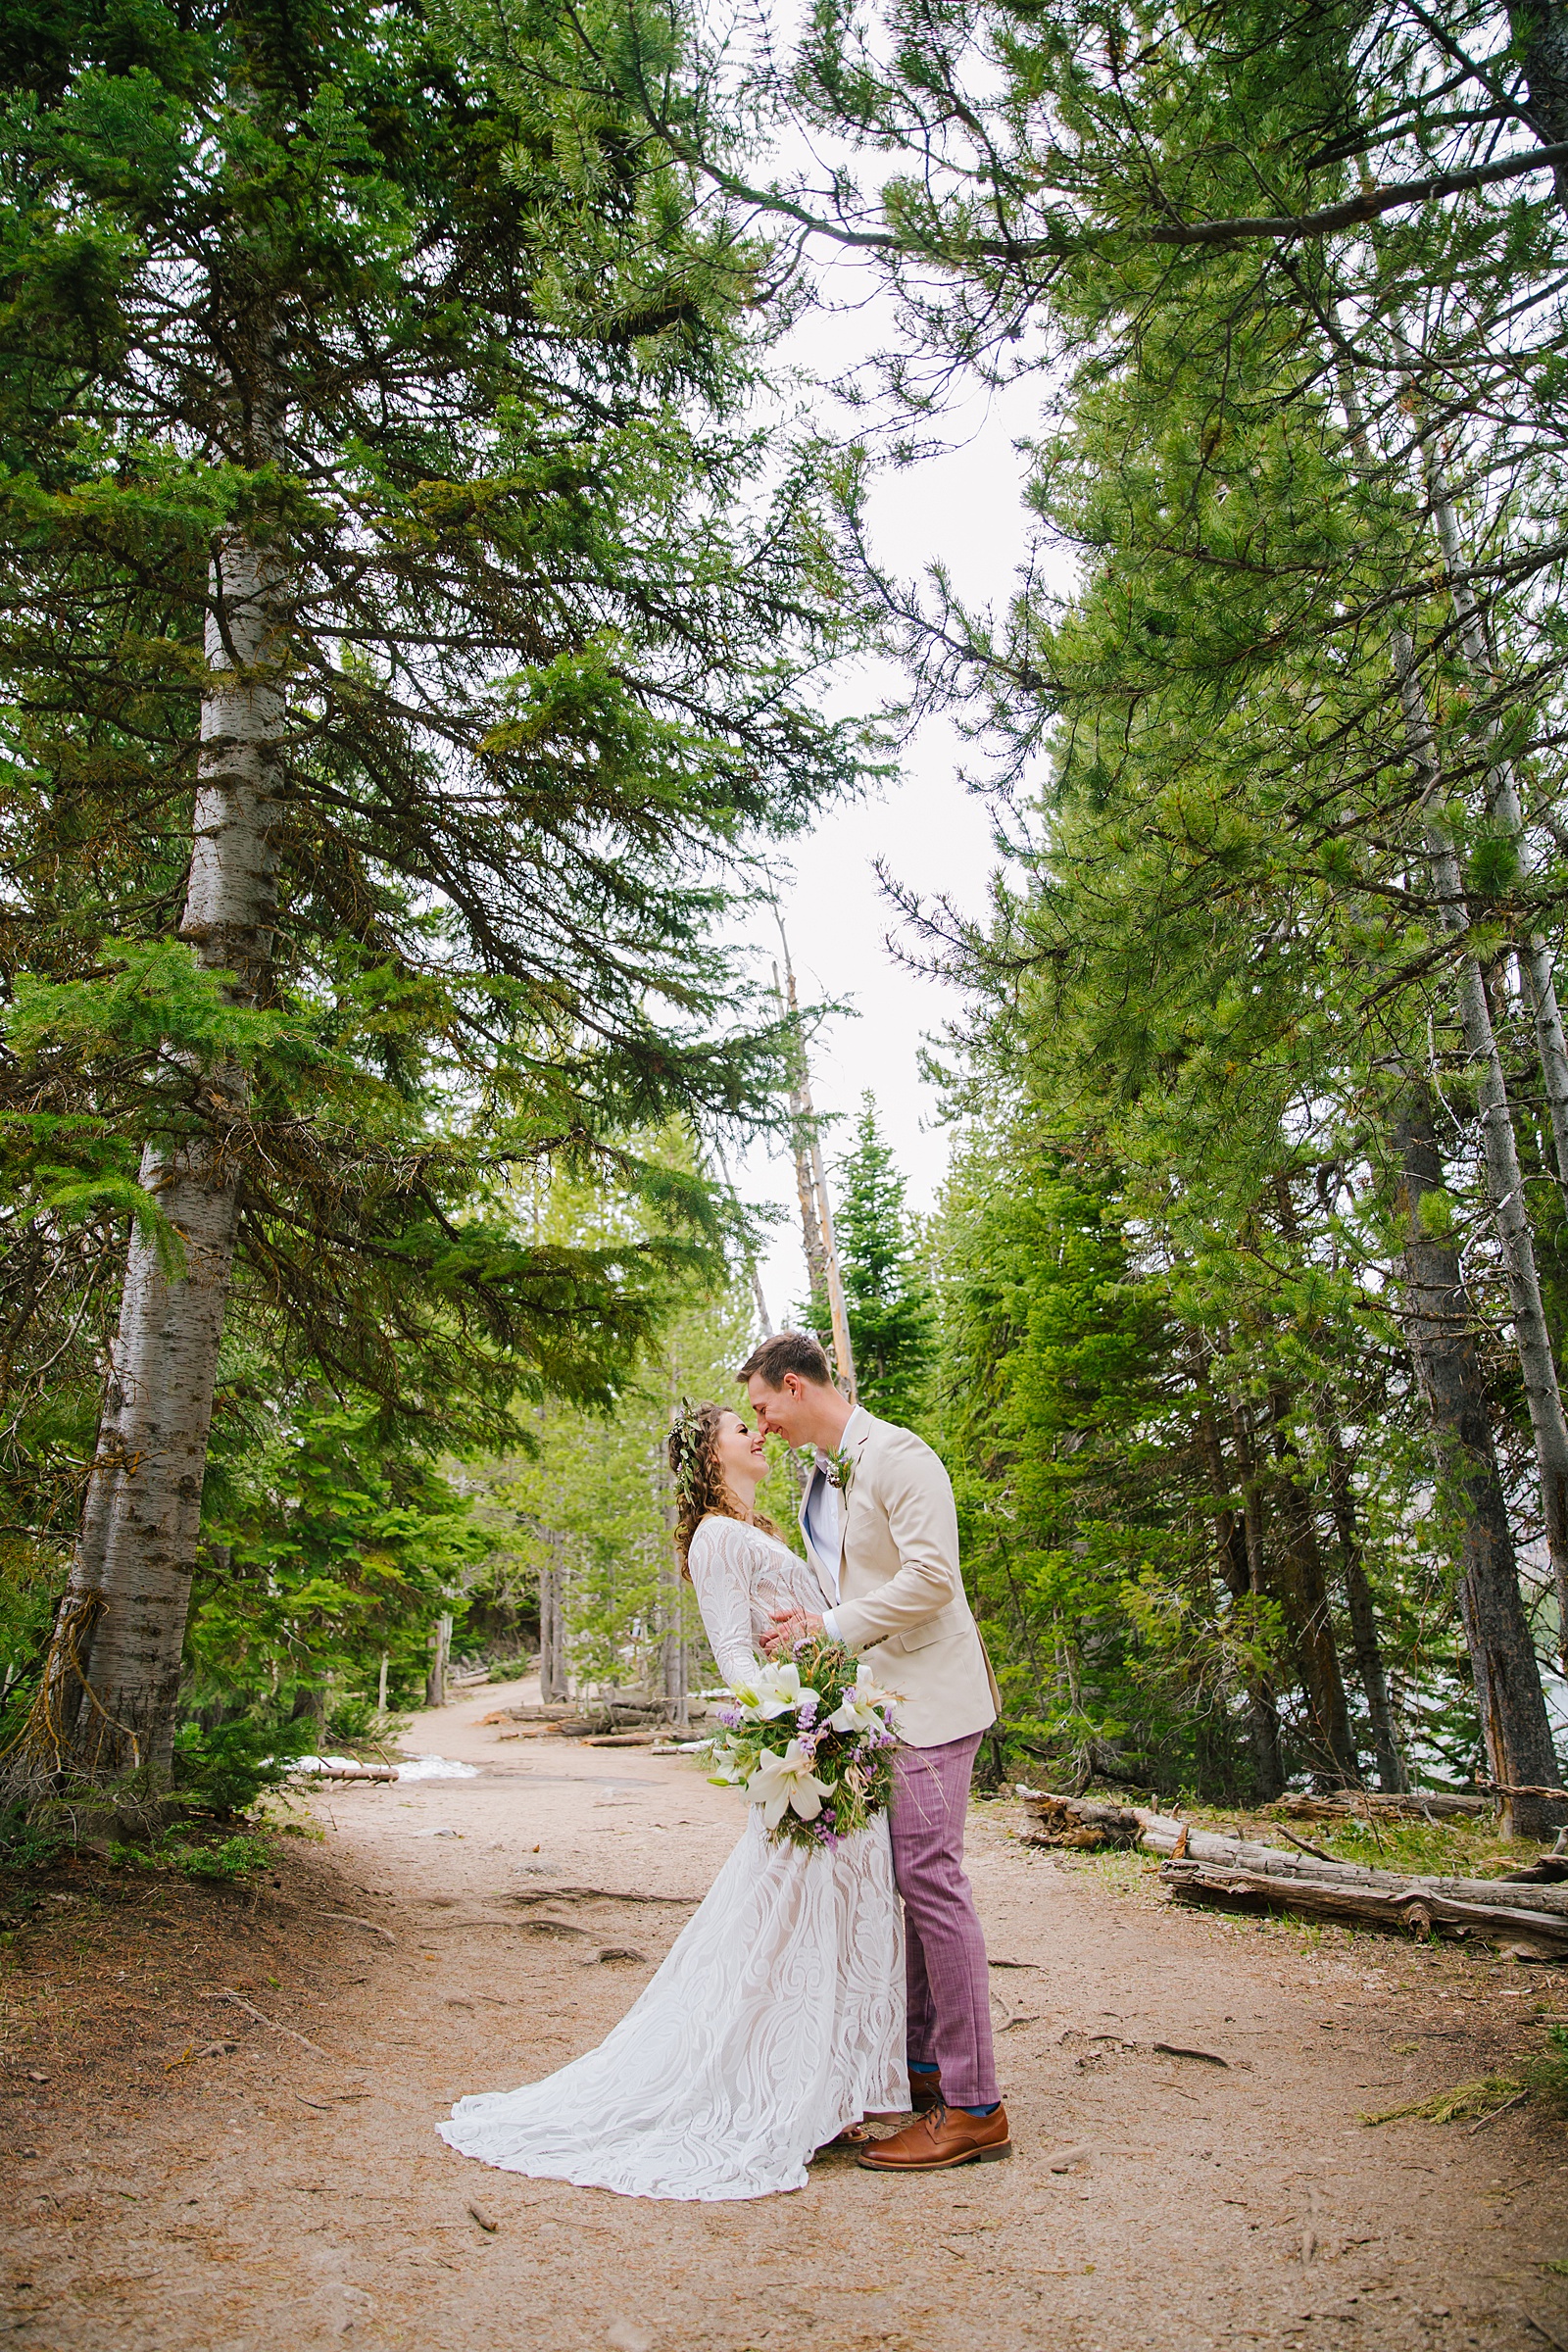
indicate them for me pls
(402, 631)
(887, 1294)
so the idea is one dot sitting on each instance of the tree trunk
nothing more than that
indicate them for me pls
(1505, 1185)
(817, 1209)
(1262, 1712)
(800, 1130)
(552, 1638)
(435, 1681)
(1235, 1568)
(1392, 1772)
(115, 1663)
(311, 1700)
(1540, 41)
(1551, 1043)
(1316, 1648)
(1499, 1145)
(1439, 1328)
(1319, 1652)
(838, 1307)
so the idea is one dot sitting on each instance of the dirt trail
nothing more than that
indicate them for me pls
(238, 2199)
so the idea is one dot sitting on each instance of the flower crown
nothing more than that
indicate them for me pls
(685, 1436)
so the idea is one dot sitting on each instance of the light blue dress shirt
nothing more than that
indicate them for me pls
(821, 1524)
(854, 1431)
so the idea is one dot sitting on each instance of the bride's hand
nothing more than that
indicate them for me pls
(788, 1627)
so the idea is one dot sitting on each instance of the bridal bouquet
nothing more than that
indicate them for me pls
(810, 1741)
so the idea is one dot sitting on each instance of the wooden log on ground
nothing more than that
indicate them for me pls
(1413, 1909)
(1372, 1804)
(1160, 1833)
(316, 1769)
(1163, 1836)
(1079, 1821)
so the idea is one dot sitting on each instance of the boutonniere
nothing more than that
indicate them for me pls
(843, 1471)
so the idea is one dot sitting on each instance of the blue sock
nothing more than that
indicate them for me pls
(991, 2110)
(921, 2066)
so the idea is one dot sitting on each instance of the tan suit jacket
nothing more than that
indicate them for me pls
(900, 1589)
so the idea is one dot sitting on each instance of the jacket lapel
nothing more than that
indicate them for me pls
(857, 1445)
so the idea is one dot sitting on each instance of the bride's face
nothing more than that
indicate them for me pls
(742, 1456)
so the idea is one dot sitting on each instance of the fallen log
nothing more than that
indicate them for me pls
(1080, 1821)
(318, 1768)
(1382, 1804)
(1158, 1833)
(1415, 1909)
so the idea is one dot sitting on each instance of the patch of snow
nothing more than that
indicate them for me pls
(435, 1767)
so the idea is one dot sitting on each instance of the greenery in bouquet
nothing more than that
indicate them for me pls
(810, 1741)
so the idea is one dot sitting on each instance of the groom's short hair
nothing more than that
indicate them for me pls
(788, 1352)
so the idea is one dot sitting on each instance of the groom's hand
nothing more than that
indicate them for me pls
(788, 1627)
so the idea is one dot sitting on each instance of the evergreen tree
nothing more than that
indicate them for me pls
(403, 635)
(325, 1549)
(886, 1292)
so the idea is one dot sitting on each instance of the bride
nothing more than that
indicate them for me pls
(777, 2020)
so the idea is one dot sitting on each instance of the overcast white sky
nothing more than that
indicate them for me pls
(964, 507)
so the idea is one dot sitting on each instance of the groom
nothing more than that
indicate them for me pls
(902, 1599)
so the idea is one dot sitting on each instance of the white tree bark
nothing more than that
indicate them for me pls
(1535, 954)
(116, 1671)
(1500, 1145)
(435, 1681)
(553, 1685)
(1506, 1183)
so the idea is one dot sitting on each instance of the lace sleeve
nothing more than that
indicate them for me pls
(721, 1578)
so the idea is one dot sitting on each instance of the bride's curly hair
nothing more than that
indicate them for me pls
(702, 1491)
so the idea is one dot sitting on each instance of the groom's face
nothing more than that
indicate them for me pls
(780, 1412)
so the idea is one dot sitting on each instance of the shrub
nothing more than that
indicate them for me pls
(223, 1771)
(351, 1718)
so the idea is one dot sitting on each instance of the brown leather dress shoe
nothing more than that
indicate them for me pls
(925, 2091)
(939, 2139)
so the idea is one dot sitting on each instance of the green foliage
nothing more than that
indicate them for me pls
(586, 1495)
(1545, 2073)
(29, 1840)
(1173, 1371)
(327, 1542)
(230, 1861)
(225, 1770)
(1487, 2095)
(886, 1291)
(1054, 1408)
(413, 302)
(351, 1717)
(31, 1575)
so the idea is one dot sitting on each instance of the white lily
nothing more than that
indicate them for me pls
(783, 1782)
(859, 1710)
(775, 1690)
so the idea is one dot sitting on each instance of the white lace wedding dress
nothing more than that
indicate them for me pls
(777, 2018)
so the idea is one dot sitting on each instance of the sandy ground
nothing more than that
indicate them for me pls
(180, 2173)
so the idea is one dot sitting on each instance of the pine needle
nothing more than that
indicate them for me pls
(1467, 2100)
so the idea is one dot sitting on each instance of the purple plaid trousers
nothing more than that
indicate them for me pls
(945, 1953)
